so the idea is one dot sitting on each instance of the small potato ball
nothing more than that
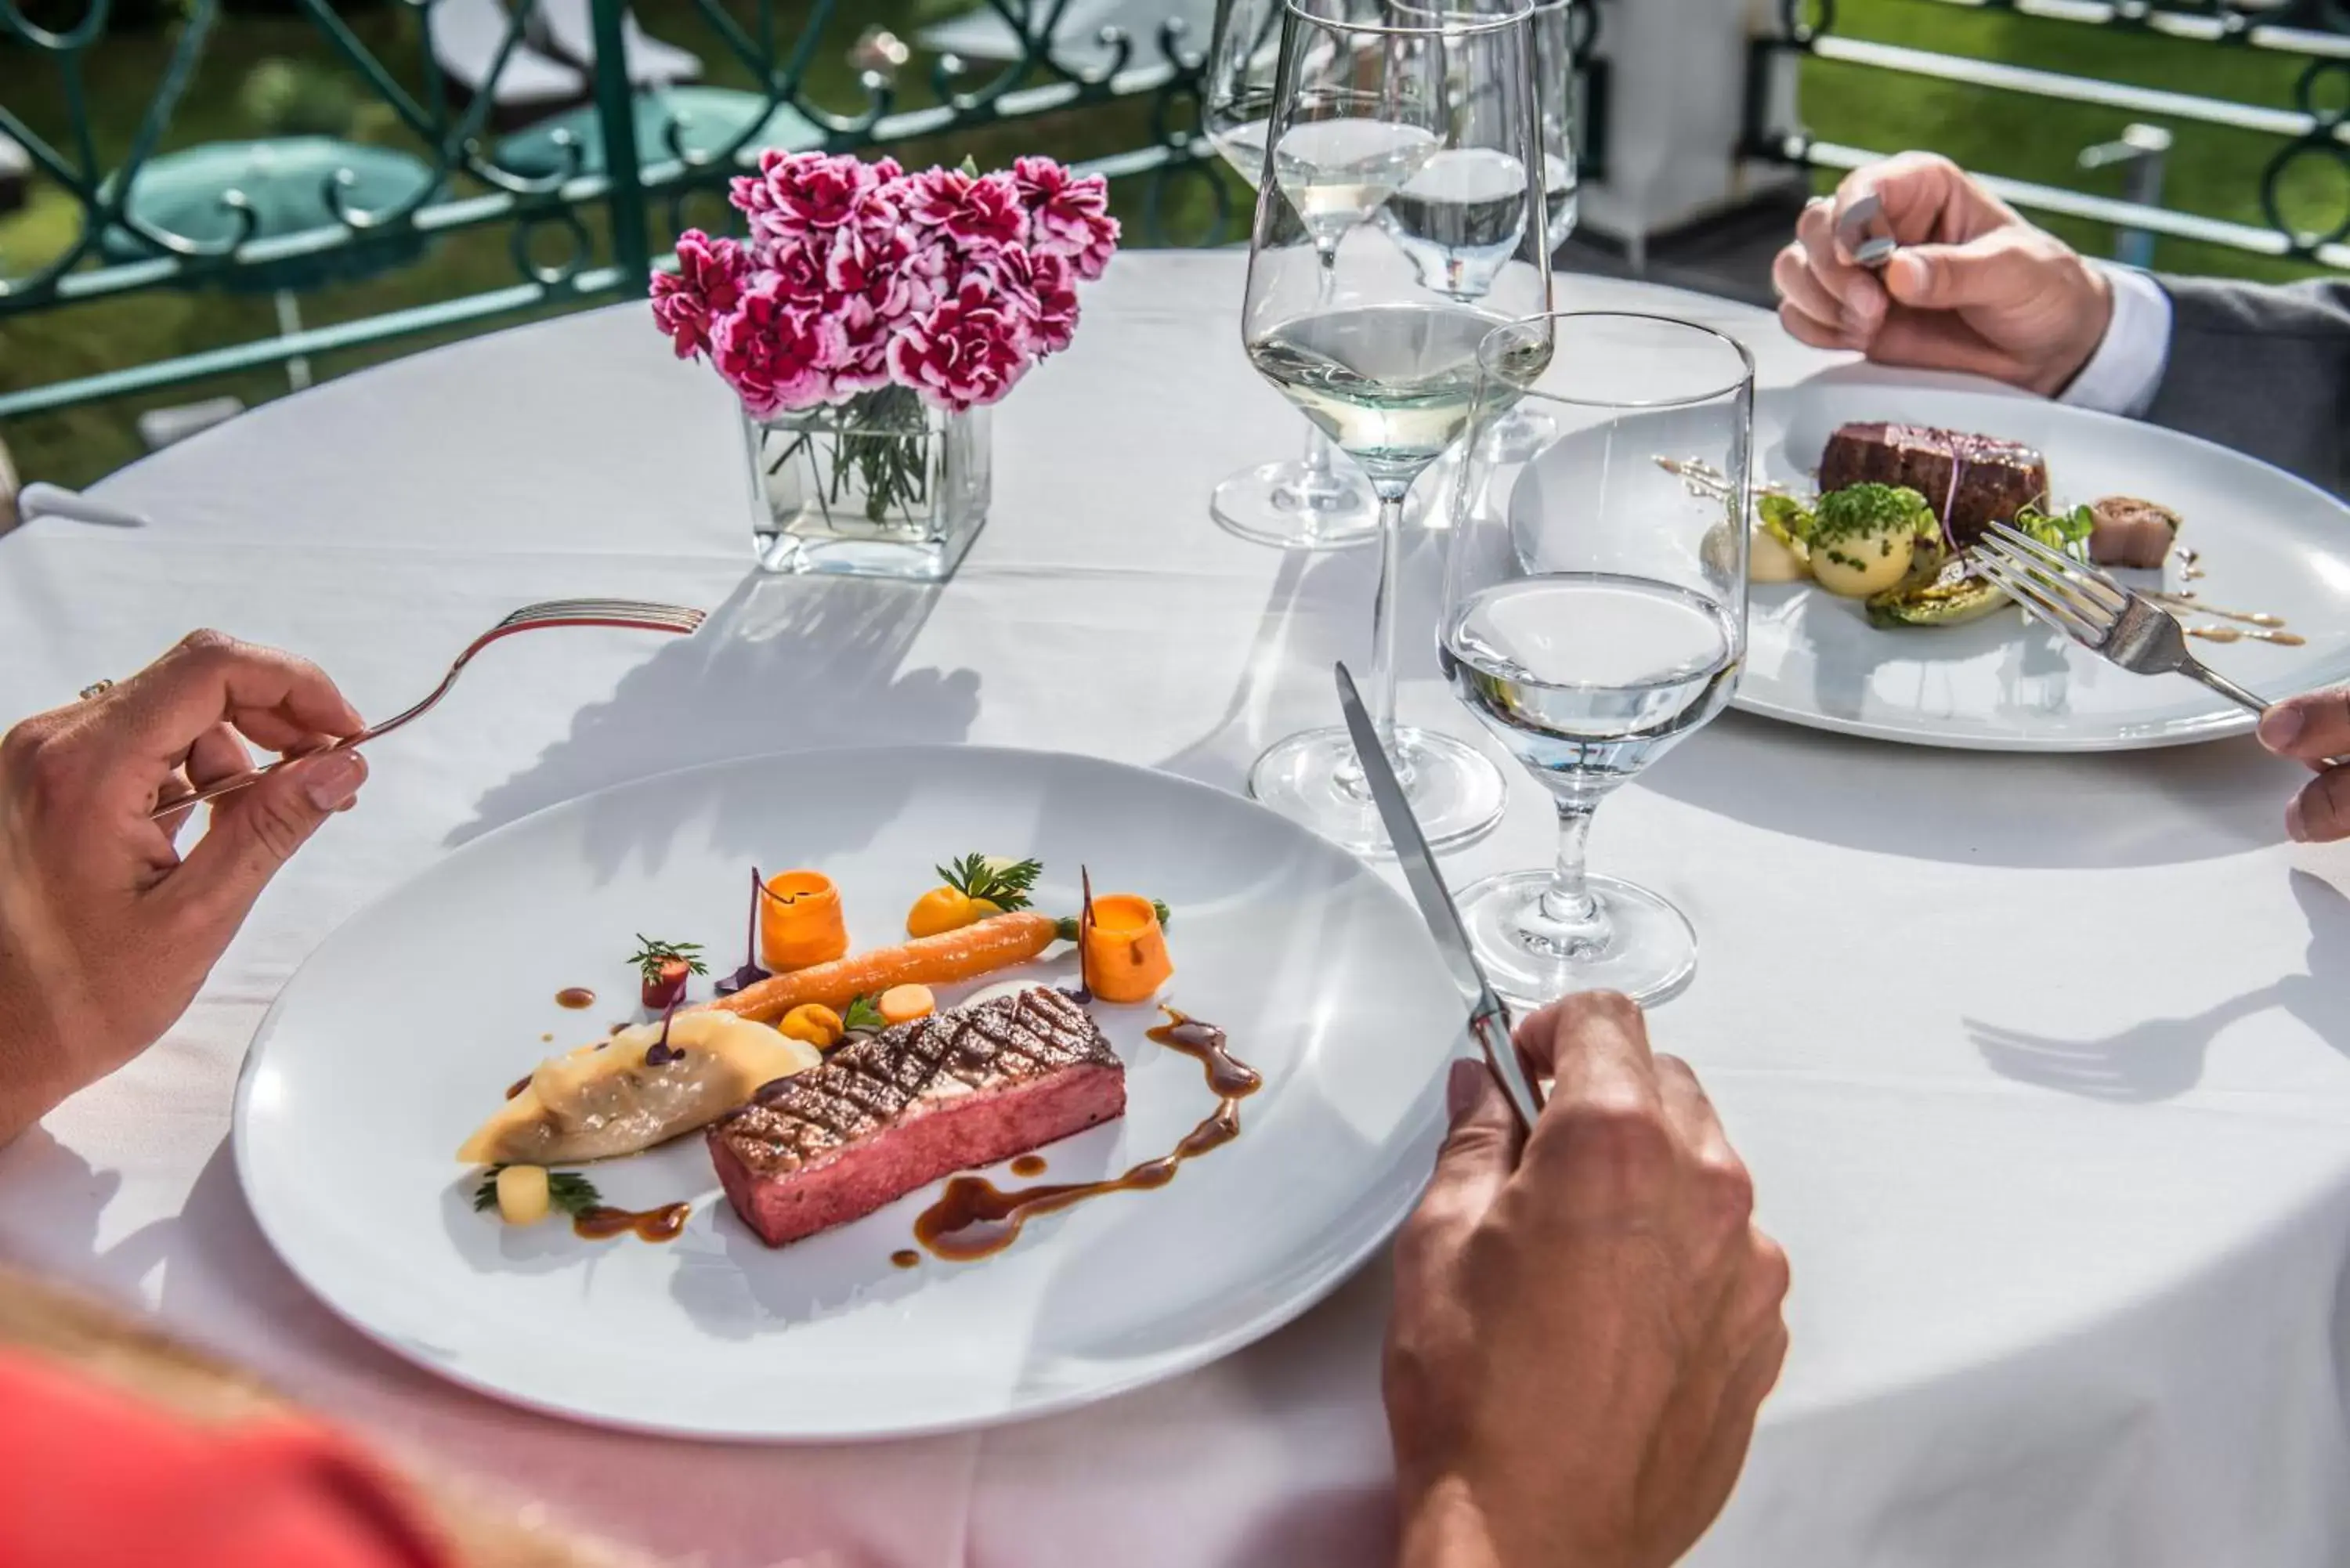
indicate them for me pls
(1859, 565)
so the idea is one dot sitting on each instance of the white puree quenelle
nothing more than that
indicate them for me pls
(607, 1099)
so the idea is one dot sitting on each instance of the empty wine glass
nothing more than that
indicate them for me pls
(1346, 324)
(1595, 616)
(1313, 502)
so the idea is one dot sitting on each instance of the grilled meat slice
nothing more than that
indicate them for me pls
(1993, 478)
(895, 1111)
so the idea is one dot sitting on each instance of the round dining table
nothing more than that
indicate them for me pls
(2041, 1064)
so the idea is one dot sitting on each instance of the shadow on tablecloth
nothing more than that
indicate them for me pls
(1317, 611)
(787, 663)
(2162, 1058)
(2094, 812)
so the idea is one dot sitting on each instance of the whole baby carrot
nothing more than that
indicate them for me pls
(965, 953)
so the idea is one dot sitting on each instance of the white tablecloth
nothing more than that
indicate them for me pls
(2040, 1063)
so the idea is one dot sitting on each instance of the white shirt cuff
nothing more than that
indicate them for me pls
(2122, 374)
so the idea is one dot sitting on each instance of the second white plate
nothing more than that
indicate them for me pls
(2266, 542)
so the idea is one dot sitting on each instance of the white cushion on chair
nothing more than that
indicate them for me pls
(571, 33)
(466, 36)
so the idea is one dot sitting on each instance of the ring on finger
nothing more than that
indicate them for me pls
(96, 689)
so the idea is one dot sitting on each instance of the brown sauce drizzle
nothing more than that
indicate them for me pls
(2247, 634)
(518, 1085)
(906, 1258)
(2189, 602)
(1028, 1165)
(575, 997)
(661, 1224)
(974, 1218)
(2190, 565)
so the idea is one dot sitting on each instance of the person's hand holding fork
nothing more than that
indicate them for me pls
(2314, 730)
(106, 930)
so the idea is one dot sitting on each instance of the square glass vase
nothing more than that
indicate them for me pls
(882, 485)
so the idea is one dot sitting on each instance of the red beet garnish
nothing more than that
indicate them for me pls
(668, 987)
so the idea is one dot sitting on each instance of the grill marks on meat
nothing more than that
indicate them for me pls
(1994, 478)
(883, 1116)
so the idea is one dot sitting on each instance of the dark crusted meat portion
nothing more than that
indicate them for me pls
(885, 1115)
(1993, 478)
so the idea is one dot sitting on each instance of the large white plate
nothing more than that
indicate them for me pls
(404, 1027)
(2269, 542)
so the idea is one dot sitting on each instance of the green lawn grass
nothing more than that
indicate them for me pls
(2212, 171)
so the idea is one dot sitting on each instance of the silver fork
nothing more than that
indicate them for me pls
(2096, 611)
(641, 614)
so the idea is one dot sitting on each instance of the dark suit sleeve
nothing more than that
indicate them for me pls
(2262, 368)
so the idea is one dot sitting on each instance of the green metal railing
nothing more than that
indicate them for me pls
(2315, 32)
(471, 189)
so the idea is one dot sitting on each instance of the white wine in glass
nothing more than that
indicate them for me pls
(1381, 356)
(1595, 616)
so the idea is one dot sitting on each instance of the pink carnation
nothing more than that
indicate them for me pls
(970, 350)
(774, 354)
(796, 195)
(978, 217)
(797, 273)
(877, 280)
(861, 363)
(707, 285)
(1067, 216)
(898, 270)
(1042, 291)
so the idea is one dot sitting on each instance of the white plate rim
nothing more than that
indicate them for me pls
(1338, 1268)
(2224, 724)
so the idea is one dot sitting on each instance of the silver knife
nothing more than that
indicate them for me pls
(1489, 1021)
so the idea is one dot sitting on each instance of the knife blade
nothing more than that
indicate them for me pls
(1489, 1021)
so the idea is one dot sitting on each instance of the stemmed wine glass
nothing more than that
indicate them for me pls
(1342, 319)
(1595, 615)
(1555, 24)
(1309, 503)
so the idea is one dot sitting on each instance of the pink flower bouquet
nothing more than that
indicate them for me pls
(866, 315)
(860, 277)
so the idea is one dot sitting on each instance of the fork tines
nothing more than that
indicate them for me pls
(2076, 599)
(641, 611)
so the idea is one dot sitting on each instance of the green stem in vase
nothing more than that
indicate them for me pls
(886, 434)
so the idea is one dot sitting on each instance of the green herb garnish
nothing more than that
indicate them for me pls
(2066, 531)
(566, 1189)
(1859, 509)
(863, 1012)
(1001, 883)
(1785, 520)
(651, 956)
